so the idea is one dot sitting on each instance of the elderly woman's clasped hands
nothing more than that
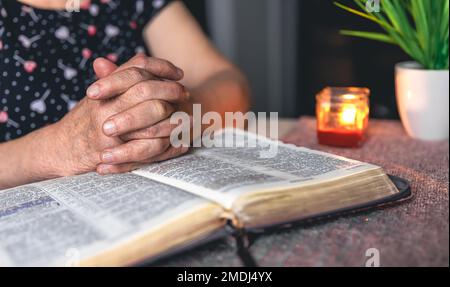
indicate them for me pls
(124, 120)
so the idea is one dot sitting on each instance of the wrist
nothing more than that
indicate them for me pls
(45, 157)
(28, 159)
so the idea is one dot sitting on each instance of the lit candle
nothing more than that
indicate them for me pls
(342, 116)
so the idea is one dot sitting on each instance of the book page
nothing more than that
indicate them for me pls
(56, 222)
(224, 173)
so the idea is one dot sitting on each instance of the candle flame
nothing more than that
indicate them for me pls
(348, 116)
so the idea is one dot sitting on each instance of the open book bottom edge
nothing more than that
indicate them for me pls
(260, 210)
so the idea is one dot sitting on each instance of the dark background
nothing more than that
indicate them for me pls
(323, 57)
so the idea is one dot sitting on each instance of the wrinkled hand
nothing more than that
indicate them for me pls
(124, 120)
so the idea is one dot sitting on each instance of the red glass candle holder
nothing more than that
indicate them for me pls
(342, 116)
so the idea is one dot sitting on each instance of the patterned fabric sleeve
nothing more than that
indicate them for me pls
(46, 56)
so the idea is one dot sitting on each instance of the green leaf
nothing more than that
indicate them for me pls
(359, 13)
(419, 27)
(369, 35)
(420, 19)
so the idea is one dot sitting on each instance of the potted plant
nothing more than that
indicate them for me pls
(420, 28)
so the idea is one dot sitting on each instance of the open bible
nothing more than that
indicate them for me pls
(120, 220)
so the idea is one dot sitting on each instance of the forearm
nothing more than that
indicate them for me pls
(28, 159)
(225, 91)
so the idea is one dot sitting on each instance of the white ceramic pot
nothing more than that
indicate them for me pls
(423, 101)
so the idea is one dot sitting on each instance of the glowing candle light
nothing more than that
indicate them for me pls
(348, 115)
(342, 116)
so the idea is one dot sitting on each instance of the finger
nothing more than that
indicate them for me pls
(105, 169)
(171, 92)
(162, 129)
(158, 67)
(126, 167)
(138, 117)
(117, 83)
(171, 152)
(135, 151)
(103, 67)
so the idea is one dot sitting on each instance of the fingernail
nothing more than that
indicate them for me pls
(109, 128)
(107, 157)
(93, 91)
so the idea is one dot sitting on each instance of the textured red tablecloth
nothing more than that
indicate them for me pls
(415, 233)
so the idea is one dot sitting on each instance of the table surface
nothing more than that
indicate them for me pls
(415, 233)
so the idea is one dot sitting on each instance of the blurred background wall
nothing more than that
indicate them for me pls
(291, 49)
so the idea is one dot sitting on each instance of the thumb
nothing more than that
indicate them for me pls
(103, 67)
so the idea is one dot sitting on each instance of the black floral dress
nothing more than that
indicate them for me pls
(46, 56)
